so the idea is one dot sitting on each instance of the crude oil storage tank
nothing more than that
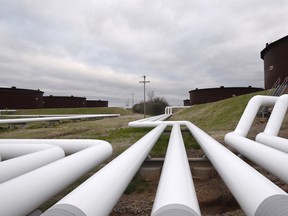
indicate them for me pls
(275, 56)
(63, 102)
(15, 98)
(200, 96)
(96, 103)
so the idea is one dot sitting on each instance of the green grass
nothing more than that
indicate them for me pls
(220, 115)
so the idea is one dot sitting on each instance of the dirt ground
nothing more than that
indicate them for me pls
(213, 196)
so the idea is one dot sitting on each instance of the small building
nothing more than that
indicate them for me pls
(96, 103)
(201, 96)
(64, 102)
(15, 98)
(275, 56)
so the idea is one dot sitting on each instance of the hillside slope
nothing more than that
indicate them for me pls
(220, 115)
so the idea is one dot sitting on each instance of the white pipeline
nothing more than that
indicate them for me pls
(275, 142)
(255, 194)
(99, 194)
(270, 159)
(27, 192)
(57, 118)
(250, 113)
(13, 165)
(176, 191)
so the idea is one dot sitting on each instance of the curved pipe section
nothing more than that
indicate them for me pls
(277, 116)
(12, 168)
(269, 135)
(25, 193)
(99, 194)
(250, 113)
(254, 193)
(69, 146)
(176, 192)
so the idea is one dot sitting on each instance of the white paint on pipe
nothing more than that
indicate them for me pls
(70, 146)
(153, 124)
(277, 116)
(99, 194)
(275, 142)
(12, 168)
(259, 154)
(27, 192)
(254, 193)
(176, 192)
(250, 113)
(169, 109)
(25, 120)
(269, 136)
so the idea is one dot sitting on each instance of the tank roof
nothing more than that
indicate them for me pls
(269, 46)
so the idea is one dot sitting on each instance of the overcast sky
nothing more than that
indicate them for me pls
(100, 49)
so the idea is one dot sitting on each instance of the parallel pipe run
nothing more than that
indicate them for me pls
(25, 120)
(250, 113)
(29, 154)
(255, 194)
(12, 168)
(27, 192)
(270, 159)
(69, 146)
(136, 124)
(176, 193)
(99, 194)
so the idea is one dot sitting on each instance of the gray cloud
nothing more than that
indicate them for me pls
(101, 49)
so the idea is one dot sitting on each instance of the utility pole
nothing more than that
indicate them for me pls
(144, 82)
(132, 100)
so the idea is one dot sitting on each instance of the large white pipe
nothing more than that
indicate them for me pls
(99, 194)
(270, 159)
(277, 116)
(27, 192)
(275, 142)
(25, 120)
(250, 113)
(176, 193)
(255, 194)
(269, 135)
(70, 146)
(12, 168)
(43, 151)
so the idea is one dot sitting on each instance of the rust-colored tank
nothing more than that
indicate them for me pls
(275, 56)
(201, 96)
(15, 98)
(64, 102)
(96, 103)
